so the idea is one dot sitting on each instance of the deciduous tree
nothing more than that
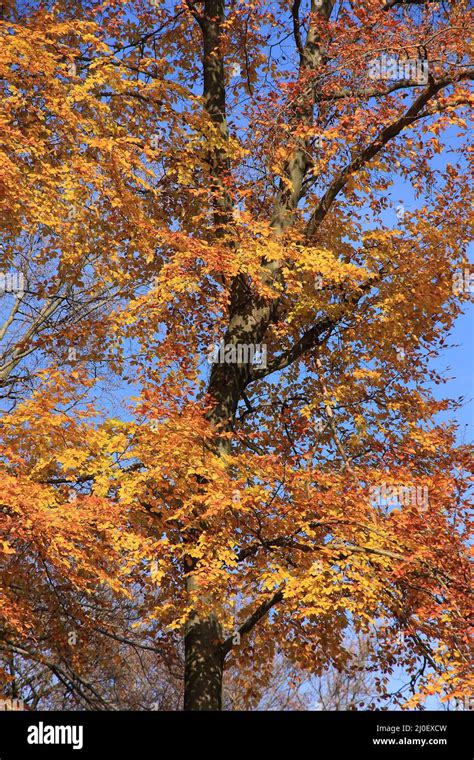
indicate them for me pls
(181, 175)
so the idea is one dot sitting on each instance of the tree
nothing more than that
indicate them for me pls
(290, 688)
(244, 438)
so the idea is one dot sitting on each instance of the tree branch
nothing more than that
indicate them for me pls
(370, 151)
(251, 621)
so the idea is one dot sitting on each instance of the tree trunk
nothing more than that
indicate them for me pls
(204, 656)
(204, 665)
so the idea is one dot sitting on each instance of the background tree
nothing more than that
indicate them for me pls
(205, 172)
(290, 688)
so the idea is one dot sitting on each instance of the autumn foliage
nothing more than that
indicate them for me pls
(177, 176)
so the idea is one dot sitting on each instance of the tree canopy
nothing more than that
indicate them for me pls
(219, 422)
